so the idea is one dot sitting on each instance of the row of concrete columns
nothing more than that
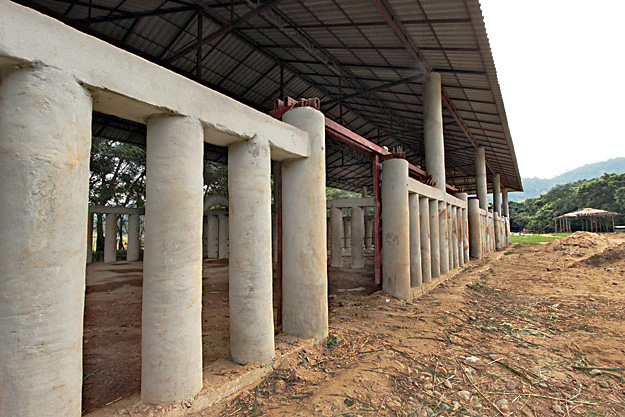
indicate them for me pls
(435, 242)
(215, 235)
(353, 233)
(110, 235)
(44, 159)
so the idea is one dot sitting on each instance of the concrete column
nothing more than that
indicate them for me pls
(435, 250)
(416, 276)
(497, 231)
(205, 236)
(90, 220)
(305, 278)
(504, 202)
(213, 237)
(433, 130)
(454, 236)
(480, 177)
(336, 237)
(368, 234)
(424, 229)
(497, 194)
(347, 232)
(224, 236)
(475, 229)
(465, 227)
(45, 139)
(443, 237)
(395, 229)
(171, 341)
(132, 254)
(251, 294)
(450, 237)
(460, 236)
(110, 238)
(358, 237)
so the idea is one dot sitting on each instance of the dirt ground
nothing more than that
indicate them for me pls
(533, 331)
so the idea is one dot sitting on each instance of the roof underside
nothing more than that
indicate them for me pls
(365, 60)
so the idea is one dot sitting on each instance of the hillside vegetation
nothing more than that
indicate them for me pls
(537, 214)
(534, 187)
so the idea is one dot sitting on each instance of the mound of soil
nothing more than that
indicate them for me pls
(579, 244)
(609, 256)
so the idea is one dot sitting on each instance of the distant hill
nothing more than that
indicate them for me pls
(534, 187)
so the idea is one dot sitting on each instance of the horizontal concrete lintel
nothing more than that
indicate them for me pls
(130, 87)
(350, 202)
(116, 210)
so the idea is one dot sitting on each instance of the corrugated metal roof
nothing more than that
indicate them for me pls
(337, 50)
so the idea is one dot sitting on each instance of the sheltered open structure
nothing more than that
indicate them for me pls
(402, 98)
(592, 220)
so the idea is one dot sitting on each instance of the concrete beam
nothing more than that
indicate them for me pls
(132, 88)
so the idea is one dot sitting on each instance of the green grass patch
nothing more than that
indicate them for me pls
(537, 239)
(507, 253)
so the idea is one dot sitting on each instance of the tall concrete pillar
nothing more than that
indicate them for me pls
(504, 202)
(368, 234)
(305, 279)
(424, 229)
(224, 236)
(497, 194)
(497, 231)
(464, 241)
(347, 232)
(454, 236)
(459, 237)
(416, 276)
(110, 238)
(395, 229)
(358, 237)
(475, 229)
(90, 220)
(132, 253)
(336, 237)
(171, 341)
(213, 237)
(435, 250)
(443, 237)
(433, 130)
(480, 177)
(45, 140)
(251, 294)
(450, 236)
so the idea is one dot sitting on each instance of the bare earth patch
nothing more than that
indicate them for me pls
(538, 332)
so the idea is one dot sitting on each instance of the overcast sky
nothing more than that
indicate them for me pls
(561, 68)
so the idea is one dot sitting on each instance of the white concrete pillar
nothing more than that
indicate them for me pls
(368, 234)
(45, 140)
(395, 229)
(424, 229)
(347, 232)
(475, 229)
(435, 250)
(134, 238)
(171, 341)
(213, 237)
(496, 231)
(110, 238)
(464, 215)
(336, 237)
(416, 277)
(90, 220)
(480, 177)
(504, 202)
(454, 236)
(305, 278)
(358, 237)
(433, 130)
(497, 194)
(224, 236)
(443, 237)
(460, 236)
(450, 246)
(251, 294)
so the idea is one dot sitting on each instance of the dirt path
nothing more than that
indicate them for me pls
(534, 331)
